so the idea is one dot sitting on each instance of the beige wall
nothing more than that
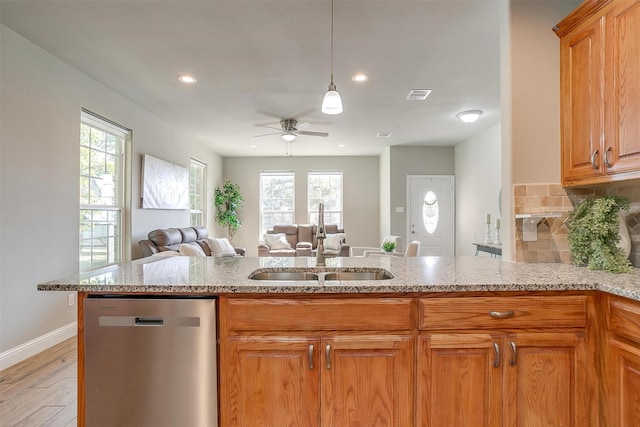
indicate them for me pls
(478, 184)
(385, 193)
(413, 161)
(39, 157)
(361, 193)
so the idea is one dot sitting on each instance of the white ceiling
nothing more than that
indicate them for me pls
(260, 61)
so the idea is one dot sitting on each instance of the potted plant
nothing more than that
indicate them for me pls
(228, 200)
(594, 232)
(388, 246)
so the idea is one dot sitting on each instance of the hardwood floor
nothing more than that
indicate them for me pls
(42, 390)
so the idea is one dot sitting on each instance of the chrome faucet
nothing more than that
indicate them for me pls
(320, 236)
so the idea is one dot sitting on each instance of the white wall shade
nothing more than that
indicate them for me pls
(332, 103)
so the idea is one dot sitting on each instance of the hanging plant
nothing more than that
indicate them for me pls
(594, 233)
(228, 200)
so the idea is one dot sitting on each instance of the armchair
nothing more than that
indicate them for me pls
(359, 251)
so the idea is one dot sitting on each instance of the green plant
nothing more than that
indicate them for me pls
(594, 232)
(388, 246)
(228, 200)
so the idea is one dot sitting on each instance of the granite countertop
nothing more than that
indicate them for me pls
(420, 274)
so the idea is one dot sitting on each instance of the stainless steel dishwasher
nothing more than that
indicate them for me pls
(150, 362)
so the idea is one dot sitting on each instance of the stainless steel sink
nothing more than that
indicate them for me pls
(321, 276)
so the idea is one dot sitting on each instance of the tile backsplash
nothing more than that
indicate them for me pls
(553, 244)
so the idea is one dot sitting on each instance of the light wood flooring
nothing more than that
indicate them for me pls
(42, 390)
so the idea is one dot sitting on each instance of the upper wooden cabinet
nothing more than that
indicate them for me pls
(600, 92)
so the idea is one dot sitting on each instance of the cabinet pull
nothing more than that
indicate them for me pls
(327, 353)
(606, 158)
(496, 354)
(514, 354)
(310, 355)
(593, 160)
(501, 314)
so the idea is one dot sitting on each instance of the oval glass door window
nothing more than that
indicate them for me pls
(430, 212)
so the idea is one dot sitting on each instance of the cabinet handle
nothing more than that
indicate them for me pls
(514, 354)
(502, 314)
(496, 353)
(327, 353)
(606, 157)
(593, 160)
(310, 355)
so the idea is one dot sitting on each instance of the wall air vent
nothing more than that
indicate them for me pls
(418, 94)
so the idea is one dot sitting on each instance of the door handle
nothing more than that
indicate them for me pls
(514, 354)
(327, 353)
(496, 355)
(310, 356)
(606, 158)
(593, 160)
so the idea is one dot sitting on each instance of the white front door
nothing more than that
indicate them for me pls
(431, 214)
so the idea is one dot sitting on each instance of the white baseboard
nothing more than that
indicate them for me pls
(30, 348)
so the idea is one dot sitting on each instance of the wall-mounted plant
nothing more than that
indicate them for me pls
(594, 233)
(228, 200)
(388, 246)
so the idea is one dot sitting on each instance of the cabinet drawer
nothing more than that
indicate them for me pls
(624, 318)
(503, 312)
(318, 314)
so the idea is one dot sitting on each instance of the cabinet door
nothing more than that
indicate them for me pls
(367, 380)
(625, 398)
(459, 380)
(273, 381)
(545, 380)
(622, 93)
(581, 77)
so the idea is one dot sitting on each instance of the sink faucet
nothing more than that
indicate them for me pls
(320, 236)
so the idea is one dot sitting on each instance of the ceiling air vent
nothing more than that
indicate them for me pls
(383, 135)
(418, 94)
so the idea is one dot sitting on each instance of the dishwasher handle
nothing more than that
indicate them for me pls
(149, 321)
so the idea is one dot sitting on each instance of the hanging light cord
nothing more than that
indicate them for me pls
(332, 84)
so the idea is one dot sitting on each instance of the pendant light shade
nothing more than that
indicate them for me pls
(332, 103)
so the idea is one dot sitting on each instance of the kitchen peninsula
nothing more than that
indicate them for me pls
(446, 341)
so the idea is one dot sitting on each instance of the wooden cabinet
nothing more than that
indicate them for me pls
(600, 92)
(317, 362)
(504, 375)
(624, 363)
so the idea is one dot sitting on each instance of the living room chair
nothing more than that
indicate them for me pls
(359, 251)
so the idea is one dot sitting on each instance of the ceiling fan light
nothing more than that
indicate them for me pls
(469, 116)
(332, 103)
(288, 135)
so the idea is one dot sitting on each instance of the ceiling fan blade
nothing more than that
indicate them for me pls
(267, 134)
(323, 134)
(269, 125)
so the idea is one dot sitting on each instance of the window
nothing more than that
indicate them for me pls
(277, 199)
(197, 192)
(102, 145)
(325, 187)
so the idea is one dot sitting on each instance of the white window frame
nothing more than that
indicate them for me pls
(292, 212)
(312, 206)
(197, 193)
(113, 241)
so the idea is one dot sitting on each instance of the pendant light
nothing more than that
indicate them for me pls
(332, 104)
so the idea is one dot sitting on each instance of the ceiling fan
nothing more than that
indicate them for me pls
(289, 130)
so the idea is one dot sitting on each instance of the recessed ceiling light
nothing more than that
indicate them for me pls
(341, 145)
(469, 116)
(360, 77)
(252, 146)
(185, 78)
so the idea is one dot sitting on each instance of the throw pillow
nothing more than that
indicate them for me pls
(167, 253)
(277, 241)
(220, 247)
(334, 241)
(191, 250)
